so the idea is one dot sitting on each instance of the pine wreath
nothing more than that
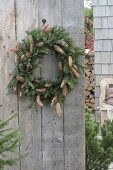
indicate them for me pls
(29, 54)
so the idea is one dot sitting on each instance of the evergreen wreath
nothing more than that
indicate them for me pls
(29, 54)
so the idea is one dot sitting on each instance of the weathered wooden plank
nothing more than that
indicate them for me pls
(74, 131)
(30, 120)
(51, 11)
(8, 103)
(62, 144)
(52, 126)
(72, 18)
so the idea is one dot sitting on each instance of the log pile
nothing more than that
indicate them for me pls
(89, 82)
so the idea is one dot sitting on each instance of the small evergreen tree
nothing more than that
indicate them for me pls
(9, 142)
(99, 149)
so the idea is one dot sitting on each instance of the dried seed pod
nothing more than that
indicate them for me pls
(41, 90)
(58, 109)
(75, 72)
(53, 102)
(40, 44)
(65, 91)
(21, 79)
(62, 83)
(58, 49)
(48, 85)
(70, 61)
(39, 102)
(60, 65)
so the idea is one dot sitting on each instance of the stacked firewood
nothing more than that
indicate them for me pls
(89, 81)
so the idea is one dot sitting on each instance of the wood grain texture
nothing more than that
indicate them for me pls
(30, 119)
(74, 135)
(8, 103)
(52, 126)
(53, 143)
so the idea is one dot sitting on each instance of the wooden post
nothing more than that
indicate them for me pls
(53, 143)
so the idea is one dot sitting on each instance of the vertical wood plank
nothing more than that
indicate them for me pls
(51, 11)
(74, 135)
(52, 126)
(62, 144)
(30, 119)
(8, 103)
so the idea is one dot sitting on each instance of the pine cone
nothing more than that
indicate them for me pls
(45, 26)
(58, 49)
(23, 57)
(16, 59)
(65, 91)
(31, 43)
(14, 50)
(65, 44)
(40, 44)
(30, 39)
(48, 85)
(62, 43)
(62, 84)
(70, 61)
(58, 109)
(41, 90)
(21, 79)
(75, 72)
(21, 67)
(12, 77)
(39, 101)
(18, 45)
(28, 55)
(20, 94)
(76, 68)
(53, 102)
(48, 29)
(14, 88)
(23, 85)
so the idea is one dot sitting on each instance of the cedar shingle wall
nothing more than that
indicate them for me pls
(103, 44)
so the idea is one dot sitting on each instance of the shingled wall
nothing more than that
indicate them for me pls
(103, 43)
